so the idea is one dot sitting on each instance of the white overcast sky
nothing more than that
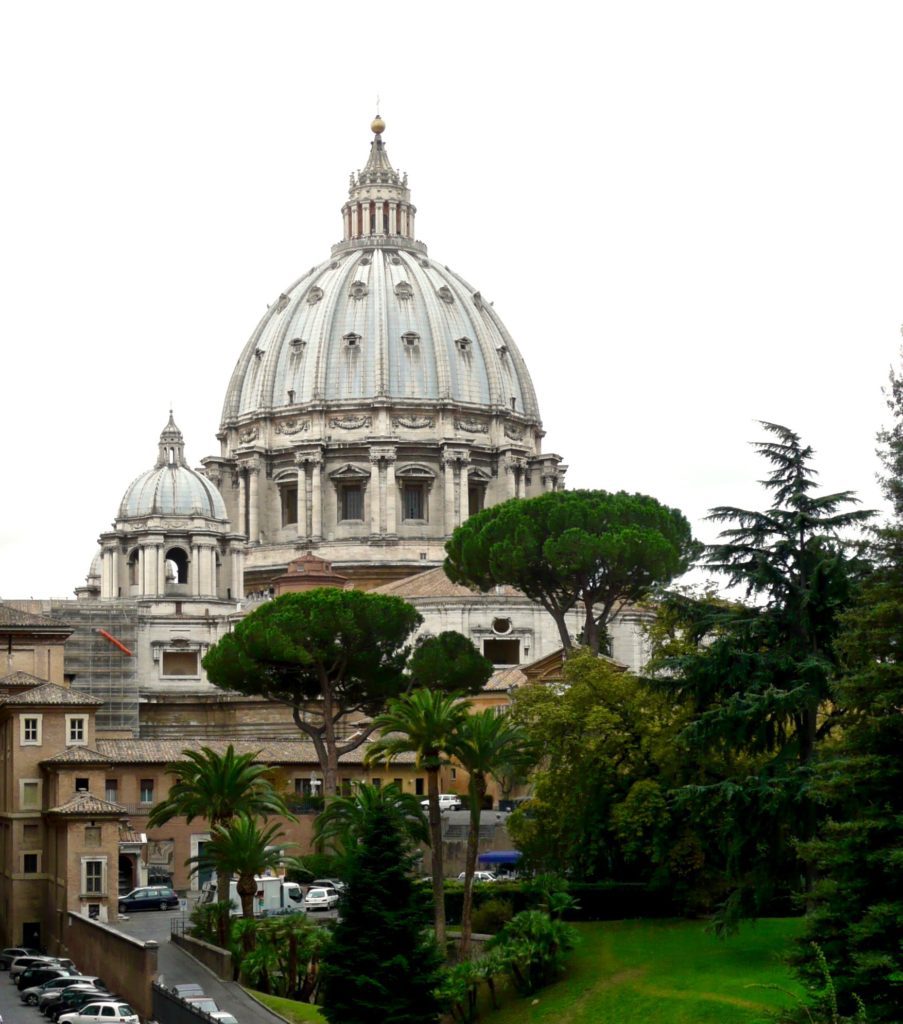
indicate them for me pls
(689, 215)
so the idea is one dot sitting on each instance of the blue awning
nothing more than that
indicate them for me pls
(500, 857)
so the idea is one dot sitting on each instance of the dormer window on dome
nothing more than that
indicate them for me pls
(464, 345)
(404, 291)
(314, 296)
(352, 340)
(358, 290)
(445, 294)
(298, 344)
(411, 339)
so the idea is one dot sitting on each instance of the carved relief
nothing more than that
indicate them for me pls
(294, 426)
(445, 294)
(412, 422)
(513, 432)
(281, 303)
(248, 435)
(358, 290)
(350, 422)
(314, 295)
(471, 426)
(403, 290)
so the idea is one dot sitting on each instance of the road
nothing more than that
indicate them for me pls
(174, 964)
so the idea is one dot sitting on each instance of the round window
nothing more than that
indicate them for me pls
(501, 625)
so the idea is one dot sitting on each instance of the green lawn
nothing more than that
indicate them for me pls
(297, 1013)
(636, 972)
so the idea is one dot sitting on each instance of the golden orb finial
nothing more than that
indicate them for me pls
(377, 125)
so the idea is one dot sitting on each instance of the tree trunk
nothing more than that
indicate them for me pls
(432, 779)
(590, 628)
(477, 795)
(561, 622)
(247, 890)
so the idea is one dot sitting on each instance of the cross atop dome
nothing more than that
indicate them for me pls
(379, 209)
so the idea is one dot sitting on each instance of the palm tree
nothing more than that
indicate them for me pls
(217, 787)
(485, 743)
(240, 847)
(423, 722)
(341, 822)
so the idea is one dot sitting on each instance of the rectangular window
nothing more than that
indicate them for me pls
(289, 505)
(346, 787)
(475, 500)
(377, 783)
(30, 730)
(92, 873)
(147, 791)
(76, 730)
(413, 505)
(352, 501)
(111, 790)
(81, 785)
(180, 663)
(399, 783)
(30, 863)
(29, 794)
(418, 787)
(502, 652)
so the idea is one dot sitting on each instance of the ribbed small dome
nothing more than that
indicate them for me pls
(172, 488)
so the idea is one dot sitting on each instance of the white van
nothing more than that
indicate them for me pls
(447, 802)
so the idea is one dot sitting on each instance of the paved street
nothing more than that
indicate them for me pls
(176, 967)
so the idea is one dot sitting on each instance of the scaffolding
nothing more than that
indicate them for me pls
(96, 665)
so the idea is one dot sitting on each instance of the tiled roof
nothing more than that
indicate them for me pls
(21, 679)
(271, 751)
(85, 803)
(50, 693)
(434, 583)
(128, 835)
(15, 617)
(504, 678)
(77, 755)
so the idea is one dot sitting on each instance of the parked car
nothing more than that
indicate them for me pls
(22, 963)
(73, 998)
(55, 986)
(183, 991)
(479, 876)
(149, 897)
(37, 974)
(321, 898)
(447, 802)
(110, 1011)
(328, 883)
(204, 1003)
(11, 952)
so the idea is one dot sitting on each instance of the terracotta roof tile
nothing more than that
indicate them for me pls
(51, 694)
(77, 755)
(434, 583)
(271, 751)
(21, 679)
(85, 803)
(504, 678)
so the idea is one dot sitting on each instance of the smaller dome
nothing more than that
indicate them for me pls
(172, 487)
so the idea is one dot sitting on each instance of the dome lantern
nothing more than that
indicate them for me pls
(379, 209)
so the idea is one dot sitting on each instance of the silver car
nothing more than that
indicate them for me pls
(320, 898)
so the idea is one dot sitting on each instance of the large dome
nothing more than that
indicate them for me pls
(378, 403)
(172, 488)
(378, 323)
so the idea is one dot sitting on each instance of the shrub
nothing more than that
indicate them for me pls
(492, 916)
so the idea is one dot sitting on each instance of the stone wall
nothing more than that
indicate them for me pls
(217, 960)
(127, 966)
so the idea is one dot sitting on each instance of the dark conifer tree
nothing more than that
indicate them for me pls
(856, 906)
(383, 964)
(759, 675)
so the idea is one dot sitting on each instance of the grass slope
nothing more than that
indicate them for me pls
(297, 1013)
(637, 972)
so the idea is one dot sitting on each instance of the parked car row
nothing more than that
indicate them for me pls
(55, 987)
(194, 996)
